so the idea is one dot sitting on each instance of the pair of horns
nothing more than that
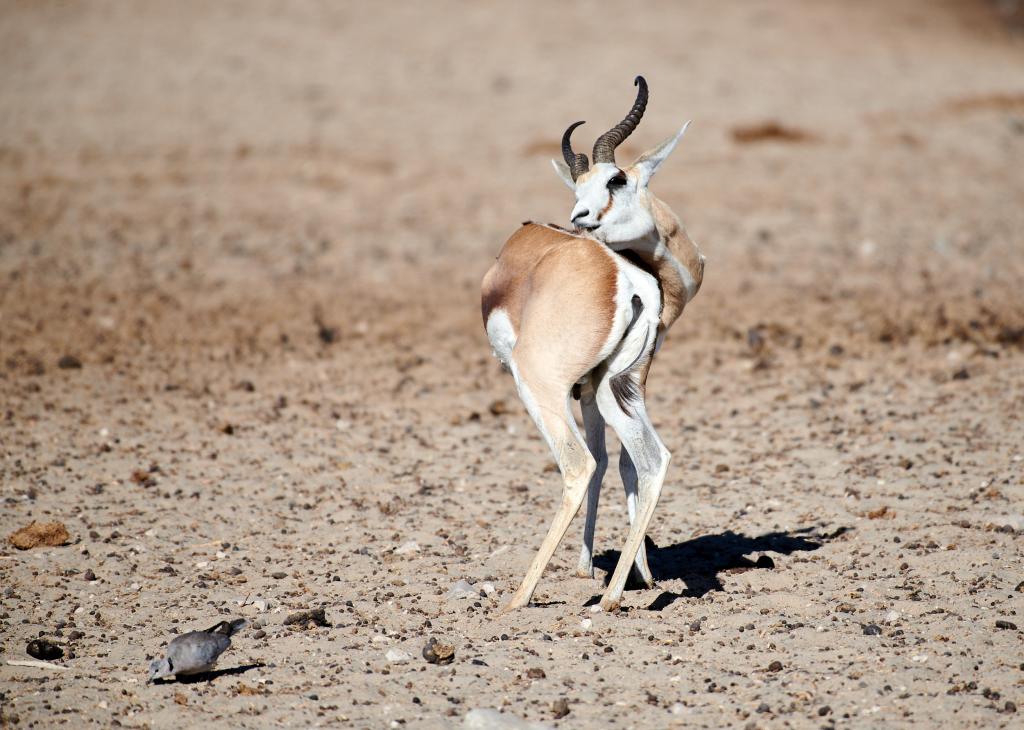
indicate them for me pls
(604, 147)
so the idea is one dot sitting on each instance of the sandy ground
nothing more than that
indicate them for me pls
(258, 230)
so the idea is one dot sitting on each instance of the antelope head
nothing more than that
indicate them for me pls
(613, 203)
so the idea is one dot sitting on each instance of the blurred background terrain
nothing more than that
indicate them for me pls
(240, 252)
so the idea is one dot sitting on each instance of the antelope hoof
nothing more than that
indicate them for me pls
(585, 572)
(608, 605)
(515, 602)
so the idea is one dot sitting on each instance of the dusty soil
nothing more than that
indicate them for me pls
(241, 356)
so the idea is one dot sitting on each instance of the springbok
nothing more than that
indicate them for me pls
(582, 313)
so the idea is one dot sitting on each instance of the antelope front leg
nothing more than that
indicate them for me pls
(650, 459)
(650, 491)
(630, 482)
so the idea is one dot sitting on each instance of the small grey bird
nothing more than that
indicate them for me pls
(196, 651)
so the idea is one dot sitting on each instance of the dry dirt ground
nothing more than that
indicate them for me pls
(241, 356)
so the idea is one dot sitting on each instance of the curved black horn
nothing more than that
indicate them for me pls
(604, 147)
(578, 163)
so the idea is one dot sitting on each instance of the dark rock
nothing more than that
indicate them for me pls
(1001, 624)
(872, 630)
(278, 575)
(89, 575)
(314, 616)
(824, 710)
(69, 362)
(43, 649)
(535, 673)
(775, 666)
(560, 708)
(765, 562)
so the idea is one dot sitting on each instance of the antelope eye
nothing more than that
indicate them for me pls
(617, 181)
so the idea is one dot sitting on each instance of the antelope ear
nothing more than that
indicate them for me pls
(649, 162)
(563, 172)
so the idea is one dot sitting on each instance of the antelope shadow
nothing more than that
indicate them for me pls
(211, 675)
(700, 561)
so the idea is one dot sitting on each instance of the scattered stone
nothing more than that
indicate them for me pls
(488, 589)
(882, 512)
(535, 673)
(824, 710)
(261, 604)
(961, 374)
(775, 666)
(1009, 707)
(560, 708)
(88, 575)
(462, 589)
(437, 653)
(49, 534)
(1020, 587)
(586, 624)
(278, 575)
(1001, 624)
(763, 708)
(397, 656)
(872, 630)
(303, 619)
(69, 362)
(764, 561)
(892, 617)
(43, 649)
(498, 408)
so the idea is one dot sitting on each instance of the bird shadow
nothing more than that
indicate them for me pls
(211, 675)
(699, 562)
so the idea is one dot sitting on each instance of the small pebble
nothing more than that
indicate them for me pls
(1001, 624)
(872, 630)
(560, 708)
(775, 666)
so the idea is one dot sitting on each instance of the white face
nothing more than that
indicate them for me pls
(611, 204)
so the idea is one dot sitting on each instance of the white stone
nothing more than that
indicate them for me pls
(462, 589)
(491, 719)
(408, 547)
(892, 617)
(586, 624)
(397, 656)
(488, 589)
